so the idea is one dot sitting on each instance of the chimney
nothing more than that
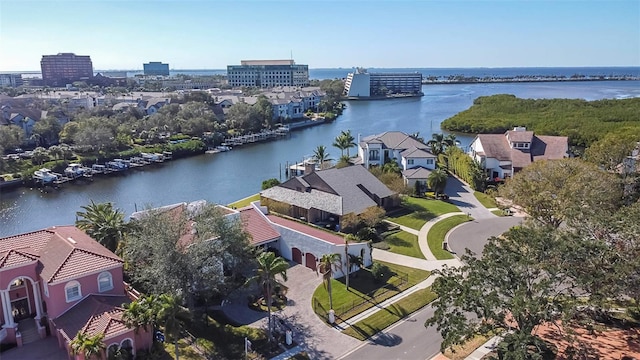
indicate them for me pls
(309, 167)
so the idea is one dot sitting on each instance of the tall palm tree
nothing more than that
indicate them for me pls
(141, 313)
(348, 239)
(348, 140)
(340, 143)
(437, 181)
(328, 264)
(321, 155)
(103, 223)
(89, 346)
(172, 316)
(269, 265)
(439, 143)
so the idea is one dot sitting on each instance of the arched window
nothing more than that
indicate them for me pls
(112, 351)
(105, 281)
(126, 346)
(72, 291)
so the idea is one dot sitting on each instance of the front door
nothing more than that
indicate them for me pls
(20, 309)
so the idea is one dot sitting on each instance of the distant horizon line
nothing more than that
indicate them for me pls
(354, 67)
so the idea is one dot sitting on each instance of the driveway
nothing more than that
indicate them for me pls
(474, 235)
(45, 349)
(318, 339)
(461, 195)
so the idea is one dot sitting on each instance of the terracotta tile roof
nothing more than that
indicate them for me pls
(15, 257)
(257, 226)
(94, 315)
(65, 252)
(306, 229)
(70, 253)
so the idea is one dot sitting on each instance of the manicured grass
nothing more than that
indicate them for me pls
(363, 291)
(405, 244)
(498, 212)
(417, 211)
(460, 352)
(436, 235)
(382, 319)
(486, 200)
(244, 202)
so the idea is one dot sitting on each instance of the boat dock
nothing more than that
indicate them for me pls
(45, 177)
(257, 137)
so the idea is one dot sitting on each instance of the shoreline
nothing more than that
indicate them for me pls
(526, 80)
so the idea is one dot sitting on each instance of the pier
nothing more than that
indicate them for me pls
(257, 137)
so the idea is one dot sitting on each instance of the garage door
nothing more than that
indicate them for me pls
(296, 254)
(310, 261)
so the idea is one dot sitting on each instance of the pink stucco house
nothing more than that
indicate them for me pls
(58, 282)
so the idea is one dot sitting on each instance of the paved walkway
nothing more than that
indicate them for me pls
(410, 261)
(313, 335)
(486, 348)
(45, 349)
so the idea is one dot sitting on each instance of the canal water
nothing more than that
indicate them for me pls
(225, 177)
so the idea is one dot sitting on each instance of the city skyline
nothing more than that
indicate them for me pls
(402, 34)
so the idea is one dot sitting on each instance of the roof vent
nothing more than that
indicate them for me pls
(70, 239)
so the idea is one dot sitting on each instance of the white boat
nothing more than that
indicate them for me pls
(98, 169)
(45, 176)
(223, 148)
(76, 170)
(152, 157)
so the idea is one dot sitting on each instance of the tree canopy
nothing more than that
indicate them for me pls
(582, 121)
(201, 253)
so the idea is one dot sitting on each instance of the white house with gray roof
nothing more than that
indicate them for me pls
(414, 157)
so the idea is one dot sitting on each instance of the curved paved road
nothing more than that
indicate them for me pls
(474, 235)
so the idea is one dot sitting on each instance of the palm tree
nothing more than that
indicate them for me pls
(321, 155)
(172, 316)
(347, 239)
(103, 223)
(340, 143)
(328, 264)
(348, 140)
(269, 265)
(89, 346)
(439, 143)
(141, 313)
(343, 162)
(437, 181)
(391, 166)
(416, 136)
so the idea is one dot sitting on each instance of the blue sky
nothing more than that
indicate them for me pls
(120, 34)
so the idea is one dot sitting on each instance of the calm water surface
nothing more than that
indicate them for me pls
(225, 177)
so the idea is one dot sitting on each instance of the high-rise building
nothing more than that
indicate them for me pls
(11, 80)
(156, 68)
(363, 84)
(65, 68)
(268, 73)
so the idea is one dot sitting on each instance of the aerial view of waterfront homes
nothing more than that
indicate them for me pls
(468, 188)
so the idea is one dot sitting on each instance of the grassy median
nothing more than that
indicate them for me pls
(384, 318)
(437, 233)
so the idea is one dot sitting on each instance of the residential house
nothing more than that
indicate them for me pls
(294, 241)
(24, 117)
(328, 195)
(61, 279)
(413, 156)
(152, 105)
(502, 155)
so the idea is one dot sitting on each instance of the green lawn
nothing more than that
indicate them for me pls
(417, 211)
(405, 244)
(498, 212)
(244, 202)
(486, 200)
(363, 291)
(436, 235)
(379, 321)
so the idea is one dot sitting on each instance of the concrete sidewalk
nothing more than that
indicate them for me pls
(381, 306)
(486, 348)
(424, 232)
(411, 261)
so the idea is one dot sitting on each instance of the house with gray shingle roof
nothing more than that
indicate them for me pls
(63, 279)
(413, 156)
(502, 155)
(328, 195)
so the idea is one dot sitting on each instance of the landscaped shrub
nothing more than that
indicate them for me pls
(380, 272)
(382, 245)
(368, 233)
